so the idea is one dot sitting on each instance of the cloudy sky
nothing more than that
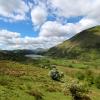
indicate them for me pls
(31, 24)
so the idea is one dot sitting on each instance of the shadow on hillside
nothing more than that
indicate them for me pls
(88, 39)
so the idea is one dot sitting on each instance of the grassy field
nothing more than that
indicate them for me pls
(30, 81)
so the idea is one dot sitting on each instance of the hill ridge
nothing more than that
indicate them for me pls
(83, 43)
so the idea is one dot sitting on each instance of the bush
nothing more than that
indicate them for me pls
(97, 81)
(70, 66)
(79, 91)
(55, 74)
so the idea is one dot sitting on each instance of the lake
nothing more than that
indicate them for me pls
(34, 56)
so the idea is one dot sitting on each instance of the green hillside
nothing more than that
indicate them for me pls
(85, 44)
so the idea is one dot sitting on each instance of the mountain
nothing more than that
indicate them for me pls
(84, 45)
(16, 55)
(19, 55)
(40, 51)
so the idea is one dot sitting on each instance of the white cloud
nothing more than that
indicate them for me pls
(51, 32)
(75, 8)
(51, 28)
(8, 34)
(66, 9)
(38, 15)
(13, 10)
(86, 23)
(13, 40)
(56, 29)
(89, 9)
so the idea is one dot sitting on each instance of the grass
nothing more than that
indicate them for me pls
(21, 81)
(14, 85)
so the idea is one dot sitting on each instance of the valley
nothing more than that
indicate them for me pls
(26, 77)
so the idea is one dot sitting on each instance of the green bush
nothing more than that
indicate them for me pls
(55, 74)
(70, 66)
(79, 91)
(97, 81)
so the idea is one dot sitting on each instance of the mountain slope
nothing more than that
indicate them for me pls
(85, 44)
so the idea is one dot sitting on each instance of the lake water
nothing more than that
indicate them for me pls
(34, 56)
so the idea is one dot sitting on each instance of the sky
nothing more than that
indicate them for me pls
(32, 24)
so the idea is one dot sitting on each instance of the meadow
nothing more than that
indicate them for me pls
(29, 80)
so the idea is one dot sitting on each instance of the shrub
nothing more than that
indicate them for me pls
(79, 91)
(97, 81)
(70, 66)
(55, 74)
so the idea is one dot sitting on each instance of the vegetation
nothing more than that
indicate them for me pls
(30, 81)
(79, 91)
(23, 78)
(85, 46)
(80, 75)
(55, 74)
(97, 81)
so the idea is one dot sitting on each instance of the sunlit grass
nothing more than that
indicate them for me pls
(27, 81)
